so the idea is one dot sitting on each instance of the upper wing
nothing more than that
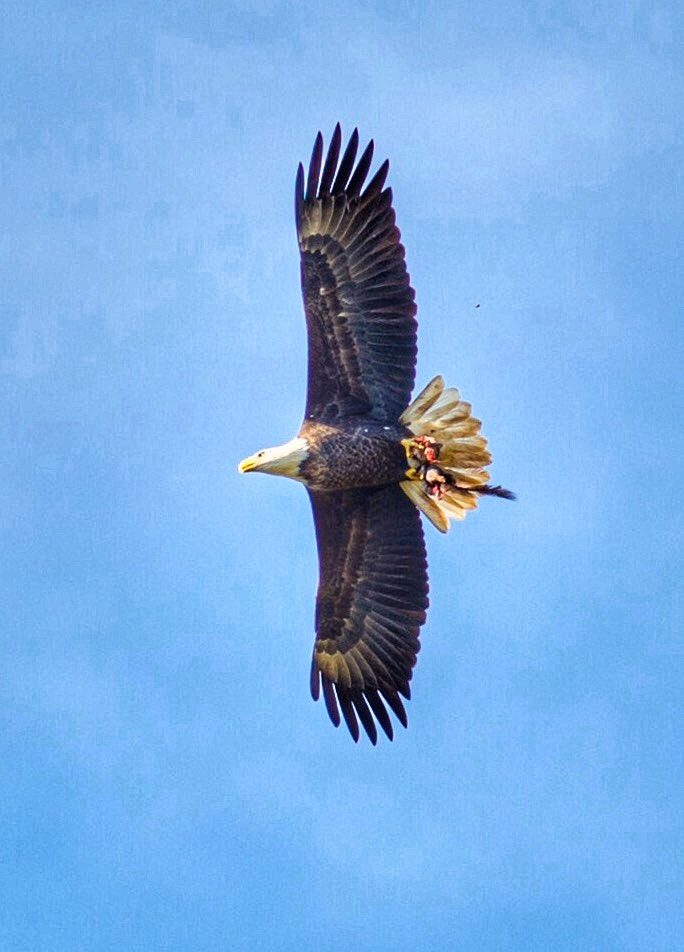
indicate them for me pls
(372, 599)
(359, 304)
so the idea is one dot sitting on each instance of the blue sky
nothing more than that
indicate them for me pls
(166, 781)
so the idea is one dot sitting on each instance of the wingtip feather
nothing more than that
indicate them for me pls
(395, 703)
(331, 161)
(299, 196)
(315, 680)
(361, 171)
(314, 168)
(331, 701)
(349, 714)
(346, 164)
(375, 185)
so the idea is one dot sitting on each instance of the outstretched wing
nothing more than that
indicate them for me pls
(372, 599)
(359, 304)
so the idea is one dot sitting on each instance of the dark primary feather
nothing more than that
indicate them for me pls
(372, 599)
(359, 303)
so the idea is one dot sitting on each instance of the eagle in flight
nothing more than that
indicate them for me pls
(369, 458)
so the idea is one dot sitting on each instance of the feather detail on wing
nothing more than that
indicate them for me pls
(371, 602)
(359, 303)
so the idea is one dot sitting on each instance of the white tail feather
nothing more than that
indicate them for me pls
(422, 402)
(444, 427)
(421, 500)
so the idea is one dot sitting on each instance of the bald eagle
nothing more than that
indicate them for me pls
(369, 459)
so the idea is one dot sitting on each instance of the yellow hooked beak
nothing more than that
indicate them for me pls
(252, 462)
(278, 460)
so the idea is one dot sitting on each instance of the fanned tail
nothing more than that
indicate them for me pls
(446, 456)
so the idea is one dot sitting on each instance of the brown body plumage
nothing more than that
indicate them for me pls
(352, 454)
(366, 457)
